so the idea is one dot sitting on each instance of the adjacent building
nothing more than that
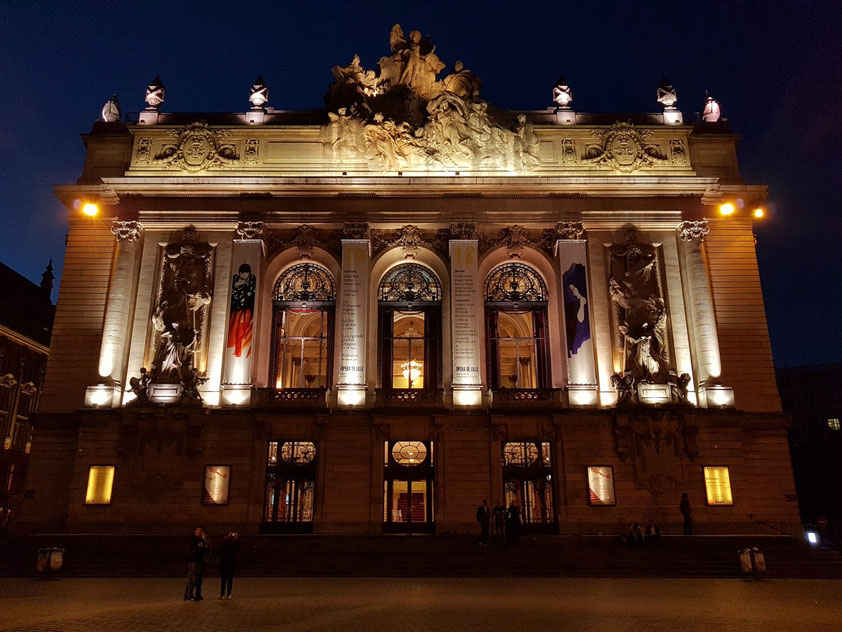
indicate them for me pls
(367, 318)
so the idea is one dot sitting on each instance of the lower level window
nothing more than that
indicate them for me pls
(100, 484)
(290, 482)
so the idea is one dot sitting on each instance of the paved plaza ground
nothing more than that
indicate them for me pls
(326, 604)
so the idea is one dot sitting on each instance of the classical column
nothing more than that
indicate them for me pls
(700, 302)
(465, 322)
(117, 310)
(353, 307)
(572, 254)
(246, 259)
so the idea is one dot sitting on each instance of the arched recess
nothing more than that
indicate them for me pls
(276, 266)
(546, 269)
(380, 265)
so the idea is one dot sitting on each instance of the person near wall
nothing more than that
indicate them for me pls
(197, 553)
(498, 515)
(684, 508)
(227, 563)
(513, 522)
(484, 519)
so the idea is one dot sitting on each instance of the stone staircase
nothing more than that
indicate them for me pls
(427, 556)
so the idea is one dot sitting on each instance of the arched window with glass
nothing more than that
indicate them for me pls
(516, 328)
(409, 300)
(303, 302)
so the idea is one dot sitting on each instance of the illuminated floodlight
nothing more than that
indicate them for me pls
(812, 538)
(758, 212)
(726, 209)
(90, 209)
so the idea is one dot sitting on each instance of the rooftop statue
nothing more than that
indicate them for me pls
(562, 94)
(155, 94)
(259, 93)
(667, 95)
(111, 110)
(403, 117)
(711, 113)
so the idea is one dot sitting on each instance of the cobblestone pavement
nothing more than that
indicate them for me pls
(414, 605)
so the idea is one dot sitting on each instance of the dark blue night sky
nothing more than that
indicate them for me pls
(775, 68)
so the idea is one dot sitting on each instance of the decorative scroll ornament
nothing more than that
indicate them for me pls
(355, 230)
(409, 240)
(250, 230)
(463, 230)
(689, 231)
(127, 231)
(624, 148)
(197, 148)
(515, 239)
(409, 283)
(514, 283)
(305, 282)
(404, 118)
(305, 240)
(562, 230)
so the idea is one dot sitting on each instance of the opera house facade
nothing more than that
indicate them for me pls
(366, 318)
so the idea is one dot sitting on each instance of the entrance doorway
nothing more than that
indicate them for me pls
(527, 482)
(290, 487)
(408, 483)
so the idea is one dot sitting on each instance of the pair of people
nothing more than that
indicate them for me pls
(506, 522)
(198, 555)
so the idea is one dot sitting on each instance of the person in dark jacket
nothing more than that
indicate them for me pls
(513, 522)
(484, 519)
(227, 563)
(684, 508)
(197, 553)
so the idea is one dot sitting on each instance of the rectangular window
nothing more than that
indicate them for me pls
(217, 479)
(718, 486)
(301, 338)
(601, 486)
(833, 423)
(100, 483)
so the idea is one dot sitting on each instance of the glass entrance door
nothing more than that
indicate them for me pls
(408, 487)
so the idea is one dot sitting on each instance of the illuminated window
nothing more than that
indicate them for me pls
(410, 324)
(303, 300)
(833, 423)
(409, 453)
(217, 479)
(100, 483)
(408, 486)
(516, 324)
(718, 486)
(298, 452)
(601, 486)
(290, 487)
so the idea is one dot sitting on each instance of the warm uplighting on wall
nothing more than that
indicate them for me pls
(90, 209)
(467, 396)
(349, 397)
(726, 209)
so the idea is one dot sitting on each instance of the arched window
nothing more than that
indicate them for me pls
(409, 299)
(516, 327)
(302, 327)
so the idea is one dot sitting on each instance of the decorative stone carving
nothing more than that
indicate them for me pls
(127, 231)
(144, 151)
(640, 311)
(140, 387)
(516, 239)
(305, 240)
(623, 148)
(666, 94)
(259, 94)
(463, 230)
(562, 94)
(711, 112)
(355, 230)
(155, 94)
(404, 118)
(678, 386)
(562, 230)
(568, 151)
(197, 148)
(688, 231)
(677, 152)
(409, 240)
(180, 316)
(252, 147)
(111, 112)
(250, 230)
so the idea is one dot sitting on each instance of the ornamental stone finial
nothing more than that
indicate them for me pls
(259, 94)
(562, 94)
(155, 94)
(250, 230)
(711, 113)
(667, 95)
(111, 110)
(127, 231)
(690, 231)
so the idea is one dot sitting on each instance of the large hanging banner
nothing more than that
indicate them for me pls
(572, 258)
(354, 303)
(245, 265)
(464, 310)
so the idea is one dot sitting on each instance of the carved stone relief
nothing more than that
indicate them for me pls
(144, 151)
(127, 231)
(250, 230)
(688, 231)
(677, 152)
(624, 148)
(568, 151)
(252, 146)
(196, 148)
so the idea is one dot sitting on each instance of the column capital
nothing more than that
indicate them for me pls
(250, 230)
(693, 230)
(126, 231)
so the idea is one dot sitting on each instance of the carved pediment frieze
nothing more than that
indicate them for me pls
(623, 148)
(197, 148)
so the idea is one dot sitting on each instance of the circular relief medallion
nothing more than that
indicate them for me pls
(196, 151)
(624, 149)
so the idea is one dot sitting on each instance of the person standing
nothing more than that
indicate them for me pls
(227, 563)
(684, 508)
(499, 518)
(197, 552)
(484, 519)
(513, 522)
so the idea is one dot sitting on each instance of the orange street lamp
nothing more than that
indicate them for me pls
(90, 209)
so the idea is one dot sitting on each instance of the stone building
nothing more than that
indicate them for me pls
(369, 317)
(26, 319)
